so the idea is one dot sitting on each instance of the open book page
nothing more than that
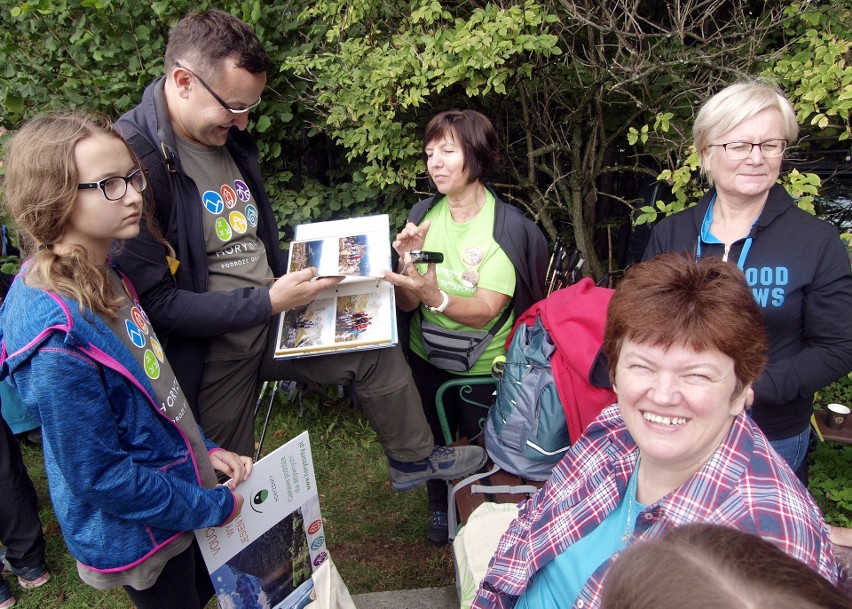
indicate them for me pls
(349, 316)
(265, 557)
(357, 247)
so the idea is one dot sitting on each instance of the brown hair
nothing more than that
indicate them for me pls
(674, 300)
(41, 190)
(204, 38)
(475, 134)
(706, 566)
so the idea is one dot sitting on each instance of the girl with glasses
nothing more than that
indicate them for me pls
(131, 474)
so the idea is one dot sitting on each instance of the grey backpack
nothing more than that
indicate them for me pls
(526, 432)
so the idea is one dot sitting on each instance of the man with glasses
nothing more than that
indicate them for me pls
(215, 301)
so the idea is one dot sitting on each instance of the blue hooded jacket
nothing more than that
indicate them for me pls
(122, 476)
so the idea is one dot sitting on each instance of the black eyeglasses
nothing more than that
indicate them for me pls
(737, 151)
(221, 101)
(115, 187)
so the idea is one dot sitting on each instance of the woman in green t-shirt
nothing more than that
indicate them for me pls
(494, 262)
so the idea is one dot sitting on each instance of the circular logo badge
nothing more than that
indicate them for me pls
(213, 202)
(315, 526)
(228, 196)
(472, 256)
(251, 214)
(238, 222)
(137, 337)
(470, 278)
(223, 229)
(320, 558)
(260, 496)
(152, 366)
(157, 348)
(243, 191)
(136, 316)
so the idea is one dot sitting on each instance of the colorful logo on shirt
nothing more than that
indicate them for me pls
(228, 195)
(320, 558)
(157, 349)
(251, 214)
(314, 527)
(137, 317)
(317, 543)
(223, 229)
(238, 222)
(243, 191)
(135, 334)
(213, 202)
(152, 366)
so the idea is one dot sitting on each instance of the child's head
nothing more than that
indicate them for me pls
(42, 173)
(73, 186)
(706, 566)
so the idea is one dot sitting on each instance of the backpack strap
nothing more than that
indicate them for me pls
(158, 164)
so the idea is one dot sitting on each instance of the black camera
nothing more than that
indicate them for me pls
(426, 257)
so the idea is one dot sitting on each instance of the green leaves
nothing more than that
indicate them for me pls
(382, 69)
(803, 187)
(816, 68)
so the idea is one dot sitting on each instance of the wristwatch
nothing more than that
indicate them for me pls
(444, 302)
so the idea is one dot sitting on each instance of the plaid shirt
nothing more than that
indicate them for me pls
(744, 485)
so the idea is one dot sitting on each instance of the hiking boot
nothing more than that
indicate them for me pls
(444, 464)
(28, 577)
(437, 532)
(6, 598)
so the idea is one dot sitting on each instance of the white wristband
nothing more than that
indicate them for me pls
(440, 308)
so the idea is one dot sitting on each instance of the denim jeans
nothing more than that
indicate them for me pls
(793, 449)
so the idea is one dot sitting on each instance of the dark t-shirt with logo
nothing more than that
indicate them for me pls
(236, 257)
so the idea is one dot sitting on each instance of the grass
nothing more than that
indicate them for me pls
(375, 535)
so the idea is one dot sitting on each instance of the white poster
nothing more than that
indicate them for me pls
(264, 558)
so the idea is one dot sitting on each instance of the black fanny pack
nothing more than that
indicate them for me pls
(458, 350)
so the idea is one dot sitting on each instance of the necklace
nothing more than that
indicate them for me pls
(631, 492)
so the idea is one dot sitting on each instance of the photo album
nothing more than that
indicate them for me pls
(357, 313)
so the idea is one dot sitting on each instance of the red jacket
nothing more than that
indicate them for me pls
(575, 317)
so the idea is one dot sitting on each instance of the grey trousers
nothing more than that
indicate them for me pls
(380, 379)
